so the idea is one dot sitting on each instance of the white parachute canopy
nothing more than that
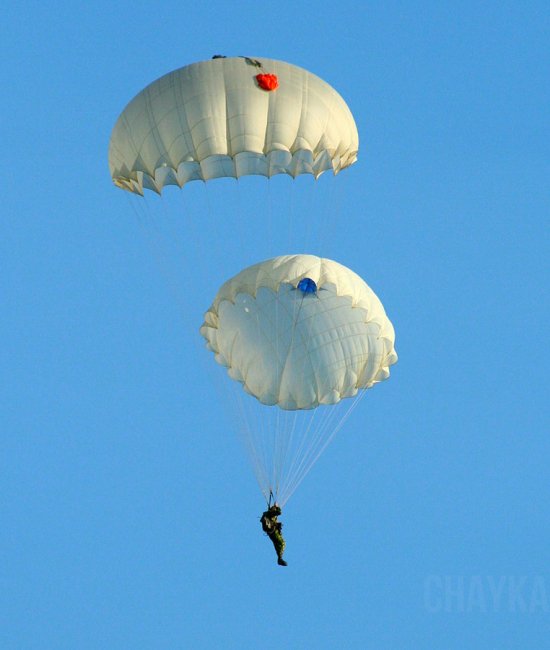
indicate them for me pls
(219, 118)
(298, 332)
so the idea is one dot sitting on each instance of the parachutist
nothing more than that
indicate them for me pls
(272, 528)
(254, 62)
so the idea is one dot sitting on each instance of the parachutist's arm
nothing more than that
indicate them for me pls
(267, 523)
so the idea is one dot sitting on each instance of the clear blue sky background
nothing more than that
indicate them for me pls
(129, 515)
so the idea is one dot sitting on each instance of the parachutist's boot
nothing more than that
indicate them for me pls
(281, 562)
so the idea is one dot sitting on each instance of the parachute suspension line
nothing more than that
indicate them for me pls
(301, 447)
(306, 458)
(298, 454)
(232, 396)
(315, 438)
(270, 223)
(260, 439)
(354, 403)
(306, 441)
(333, 211)
(258, 462)
(242, 218)
(317, 206)
(277, 352)
(267, 441)
(299, 477)
(291, 197)
(329, 428)
(285, 437)
(304, 435)
(285, 425)
(283, 433)
(269, 433)
(275, 429)
(247, 435)
(152, 234)
(136, 208)
(317, 442)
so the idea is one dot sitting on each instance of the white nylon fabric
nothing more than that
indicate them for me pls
(298, 350)
(211, 119)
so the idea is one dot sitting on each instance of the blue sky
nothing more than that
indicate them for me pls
(129, 513)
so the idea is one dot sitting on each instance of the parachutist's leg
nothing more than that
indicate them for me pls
(279, 544)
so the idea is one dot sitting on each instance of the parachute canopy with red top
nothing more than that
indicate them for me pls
(231, 117)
